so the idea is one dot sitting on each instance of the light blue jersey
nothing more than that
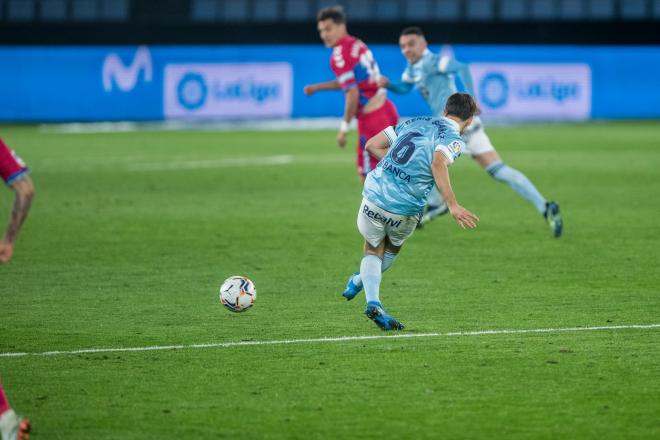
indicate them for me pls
(435, 78)
(403, 178)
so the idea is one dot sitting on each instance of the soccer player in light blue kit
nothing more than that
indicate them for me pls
(435, 77)
(414, 158)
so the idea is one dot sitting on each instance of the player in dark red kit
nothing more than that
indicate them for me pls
(357, 76)
(14, 172)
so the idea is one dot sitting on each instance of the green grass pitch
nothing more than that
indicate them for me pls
(131, 234)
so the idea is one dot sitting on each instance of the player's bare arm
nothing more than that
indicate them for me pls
(24, 192)
(310, 89)
(351, 97)
(463, 217)
(378, 145)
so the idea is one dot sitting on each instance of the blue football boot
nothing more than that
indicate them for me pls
(553, 217)
(352, 289)
(375, 312)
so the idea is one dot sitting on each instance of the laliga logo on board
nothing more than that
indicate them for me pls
(549, 88)
(494, 90)
(228, 90)
(543, 91)
(192, 91)
(126, 77)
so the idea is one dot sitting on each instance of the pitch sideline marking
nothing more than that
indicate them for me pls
(178, 164)
(337, 339)
(237, 162)
(204, 164)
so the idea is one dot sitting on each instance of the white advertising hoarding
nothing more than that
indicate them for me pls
(228, 90)
(526, 91)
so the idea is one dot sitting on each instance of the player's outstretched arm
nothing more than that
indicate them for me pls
(310, 89)
(24, 192)
(463, 217)
(451, 65)
(398, 87)
(378, 145)
(466, 78)
(351, 98)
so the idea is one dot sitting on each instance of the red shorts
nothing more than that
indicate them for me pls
(12, 167)
(370, 125)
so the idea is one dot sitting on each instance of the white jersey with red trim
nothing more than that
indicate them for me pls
(354, 66)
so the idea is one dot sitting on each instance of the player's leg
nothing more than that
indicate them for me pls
(355, 285)
(372, 227)
(386, 252)
(371, 271)
(498, 170)
(483, 152)
(373, 231)
(362, 155)
(398, 229)
(12, 427)
(435, 207)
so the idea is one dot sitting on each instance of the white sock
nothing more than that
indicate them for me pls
(371, 276)
(388, 260)
(519, 182)
(8, 420)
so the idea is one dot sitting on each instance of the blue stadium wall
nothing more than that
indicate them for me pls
(238, 82)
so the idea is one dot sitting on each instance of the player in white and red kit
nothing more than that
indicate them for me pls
(356, 73)
(12, 426)
(15, 174)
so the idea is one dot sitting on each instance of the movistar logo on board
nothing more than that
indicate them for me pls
(125, 77)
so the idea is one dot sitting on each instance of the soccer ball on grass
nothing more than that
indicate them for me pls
(237, 293)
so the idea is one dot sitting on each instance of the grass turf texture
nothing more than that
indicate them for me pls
(131, 233)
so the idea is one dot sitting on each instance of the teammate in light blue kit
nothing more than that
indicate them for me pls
(435, 77)
(414, 158)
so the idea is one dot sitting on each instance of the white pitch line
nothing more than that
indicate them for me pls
(211, 164)
(237, 162)
(338, 339)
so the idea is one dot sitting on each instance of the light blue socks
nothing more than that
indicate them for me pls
(388, 260)
(519, 182)
(370, 273)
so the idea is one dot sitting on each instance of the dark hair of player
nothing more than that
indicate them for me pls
(412, 30)
(334, 13)
(461, 105)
